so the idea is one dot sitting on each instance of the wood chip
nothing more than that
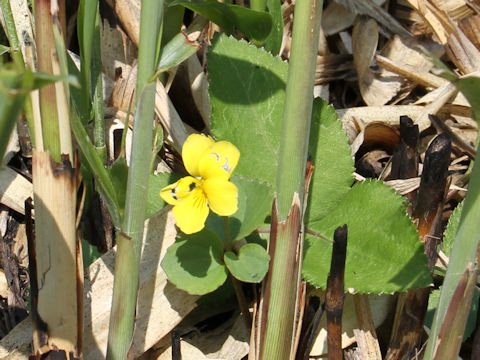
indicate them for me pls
(14, 190)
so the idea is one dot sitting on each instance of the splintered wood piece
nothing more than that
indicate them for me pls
(366, 336)
(14, 189)
(335, 294)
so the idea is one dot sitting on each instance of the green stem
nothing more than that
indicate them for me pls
(298, 104)
(464, 252)
(98, 119)
(237, 285)
(258, 5)
(282, 286)
(129, 247)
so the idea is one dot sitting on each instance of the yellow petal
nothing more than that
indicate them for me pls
(219, 160)
(192, 212)
(222, 196)
(192, 151)
(174, 193)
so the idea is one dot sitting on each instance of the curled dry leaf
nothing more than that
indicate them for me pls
(376, 89)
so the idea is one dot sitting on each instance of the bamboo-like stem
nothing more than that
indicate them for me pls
(281, 289)
(57, 268)
(298, 104)
(45, 47)
(258, 5)
(129, 242)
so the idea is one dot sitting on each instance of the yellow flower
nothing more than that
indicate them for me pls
(210, 165)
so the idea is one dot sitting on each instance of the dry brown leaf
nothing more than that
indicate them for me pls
(471, 28)
(117, 50)
(161, 305)
(375, 90)
(336, 18)
(371, 9)
(402, 57)
(229, 342)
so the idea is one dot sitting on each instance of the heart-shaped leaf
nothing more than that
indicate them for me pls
(194, 263)
(250, 265)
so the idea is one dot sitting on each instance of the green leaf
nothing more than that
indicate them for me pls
(334, 166)
(4, 49)
(254, 204)
(156, 183)
(247, 93)
(87, 12)
(273, 42)
(175, 52)
(255, 25)
(384, 253)
(470, 87)
(119, 174)
(451, 230)
(250, 265)
(194, 263)
(103, 180)
(13, 93)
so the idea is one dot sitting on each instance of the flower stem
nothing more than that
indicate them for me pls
(237, 285)
(280, 293)
(129, 243)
